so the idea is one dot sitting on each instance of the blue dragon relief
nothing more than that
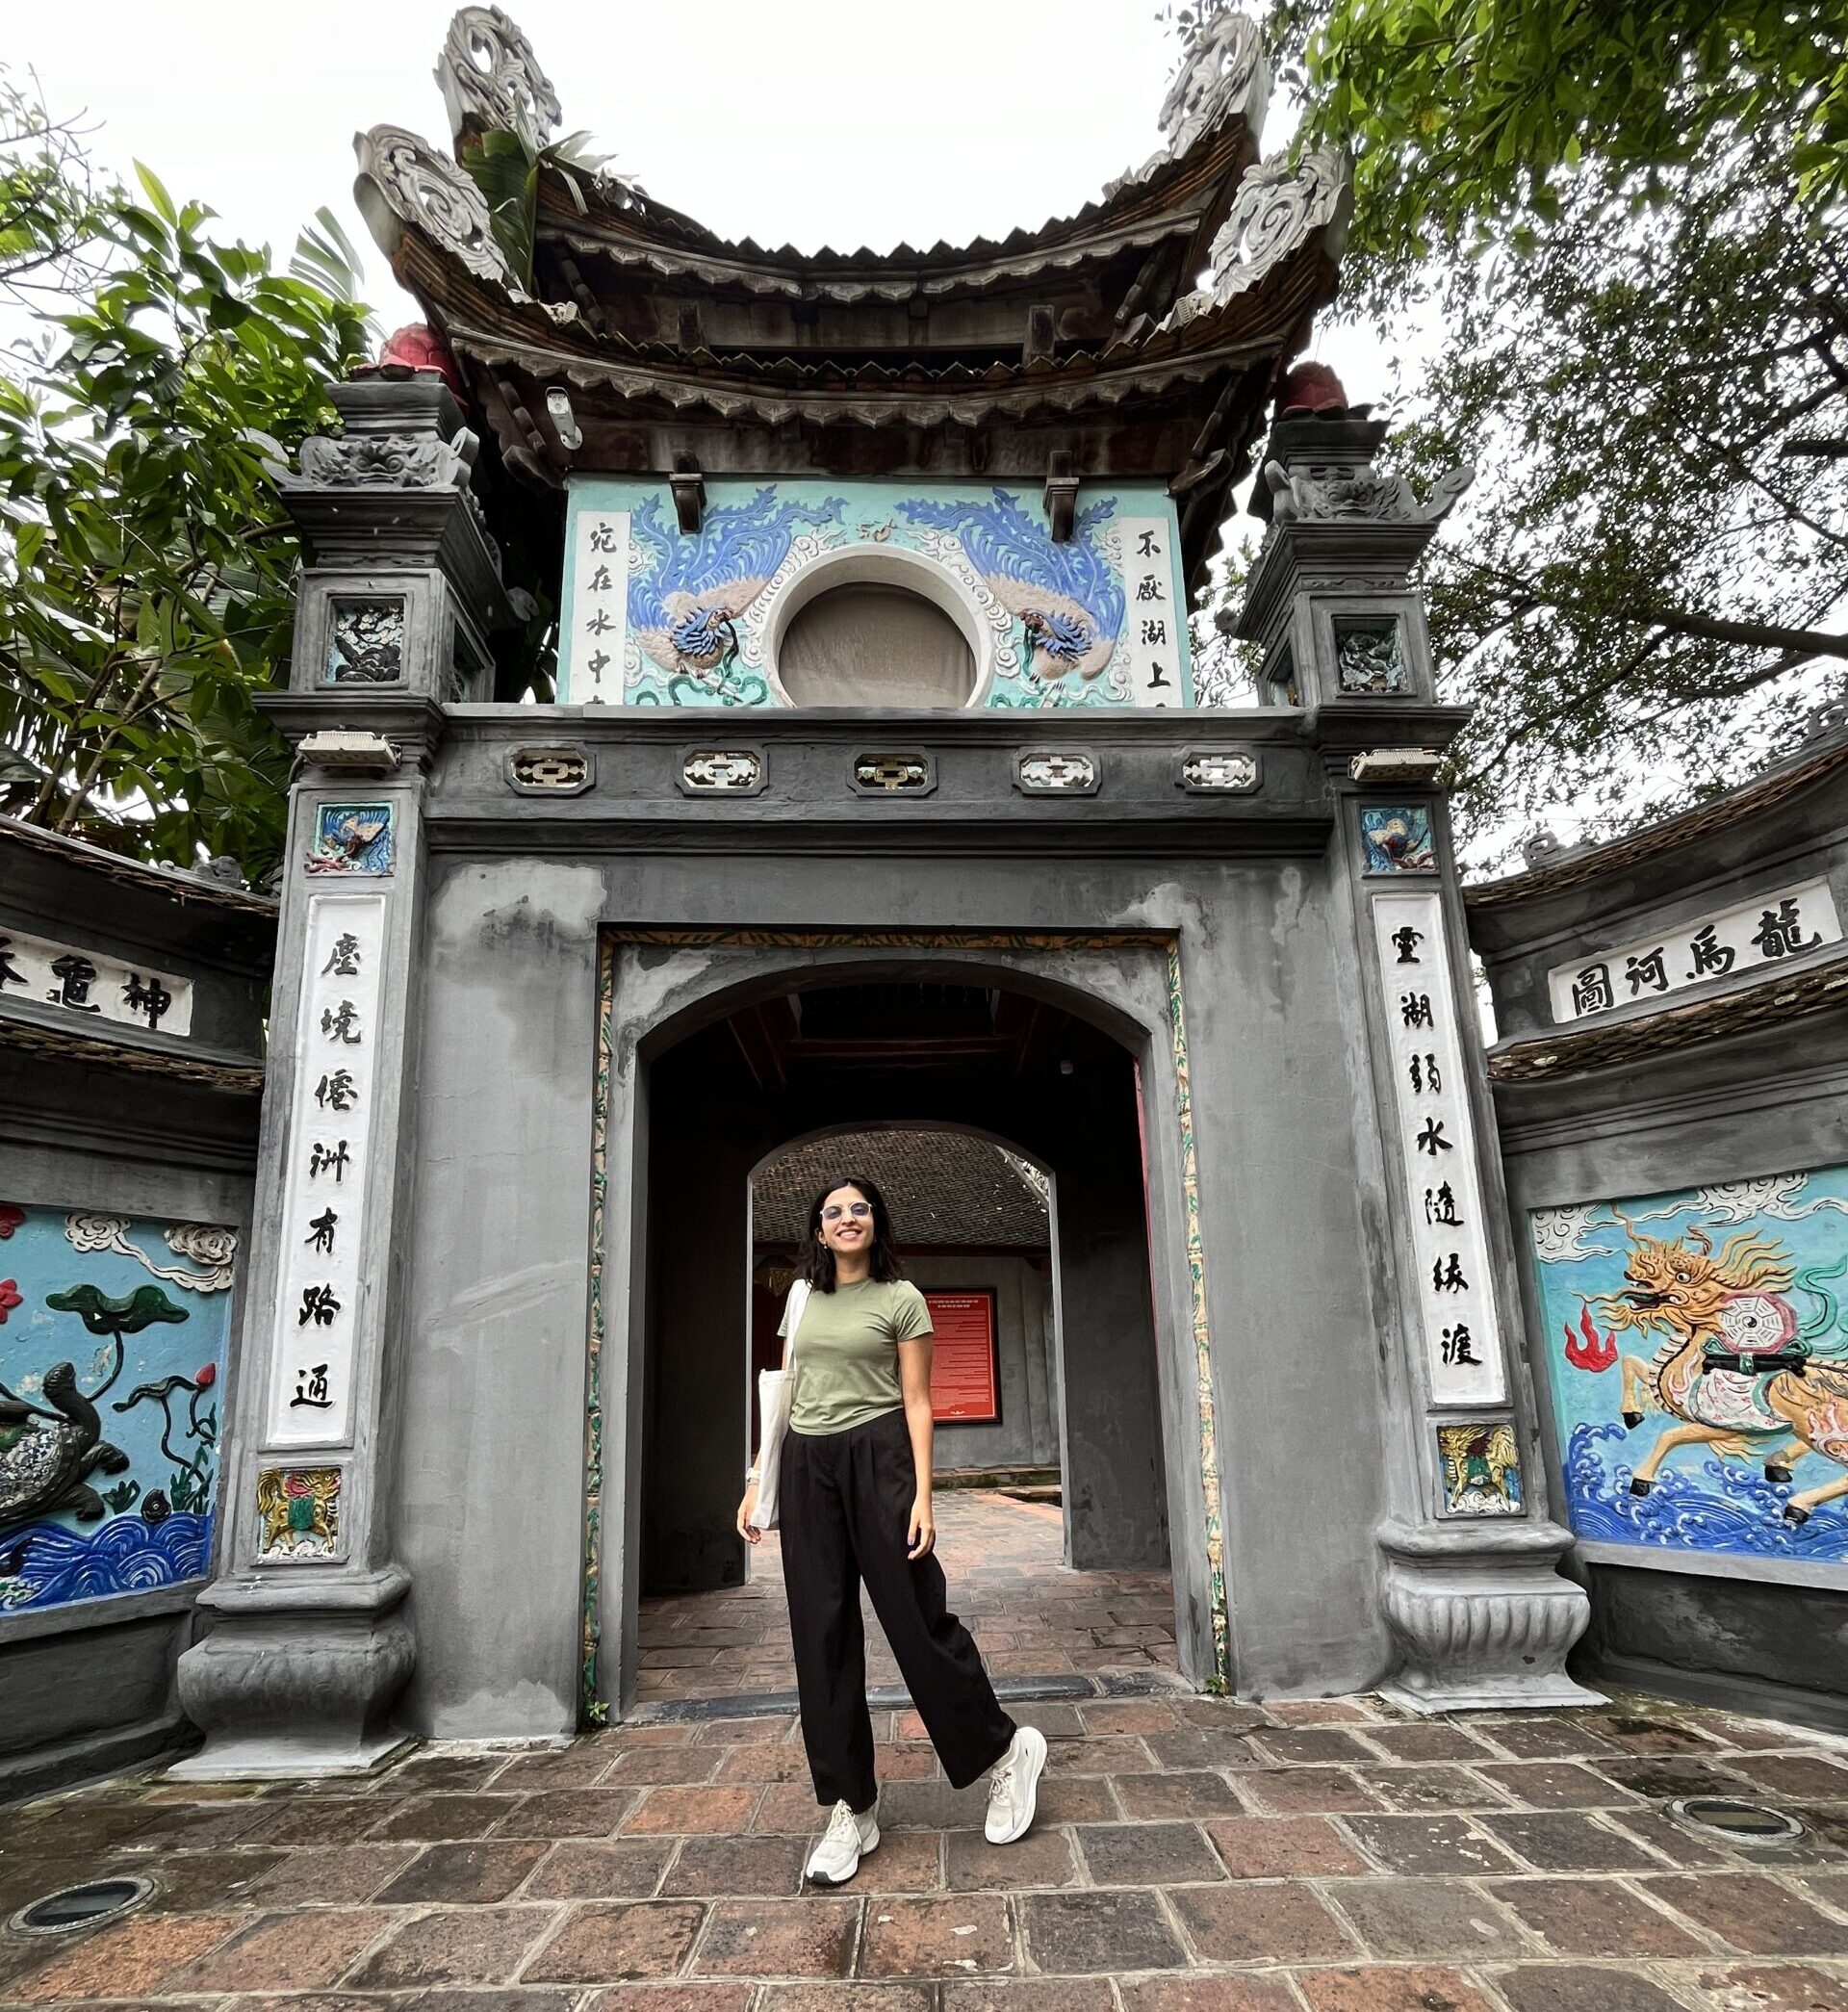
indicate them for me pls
(1068, 598)
(686, 602)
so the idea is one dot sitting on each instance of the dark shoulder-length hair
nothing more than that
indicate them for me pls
(818, 1261)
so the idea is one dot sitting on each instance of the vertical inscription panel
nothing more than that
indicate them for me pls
(318, 1291)
(1154, 615)
(596, 627)
(1438, 1153)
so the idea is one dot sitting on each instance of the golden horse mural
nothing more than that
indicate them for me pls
(1732, 1368)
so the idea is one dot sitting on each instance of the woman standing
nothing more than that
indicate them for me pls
(855, 1495)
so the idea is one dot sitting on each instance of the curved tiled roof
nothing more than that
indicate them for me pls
(943, 1188)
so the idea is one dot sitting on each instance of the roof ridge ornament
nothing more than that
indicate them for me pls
(1281, 204)
(1323, 495)
(491, 79)
(1222, 71)
(401, 180)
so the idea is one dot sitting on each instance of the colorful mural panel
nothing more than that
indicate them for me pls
(1096, 619)
(1697, 1356)
(113, 1339)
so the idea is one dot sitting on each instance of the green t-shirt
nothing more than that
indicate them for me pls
(847, 1352)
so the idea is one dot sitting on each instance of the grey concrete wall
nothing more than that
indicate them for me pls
(1028, 1434)
(489, 1510)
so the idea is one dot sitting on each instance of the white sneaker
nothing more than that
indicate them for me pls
(1013, 1786)
(847, 1840)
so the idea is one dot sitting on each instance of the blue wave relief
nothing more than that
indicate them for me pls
(44, 1565)
(1719, 1505)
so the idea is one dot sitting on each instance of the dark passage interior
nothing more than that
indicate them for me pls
(1020, 1071)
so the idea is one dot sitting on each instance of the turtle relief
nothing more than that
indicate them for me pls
(108, 1407)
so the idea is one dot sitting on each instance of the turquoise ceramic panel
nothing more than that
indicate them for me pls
(1697, 1360)
(656, 617)
(113, 1339)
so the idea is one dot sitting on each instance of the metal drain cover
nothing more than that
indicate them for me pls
(1741, 1822)
(73, 1907)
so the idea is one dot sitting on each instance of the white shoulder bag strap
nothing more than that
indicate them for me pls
(776, 1394)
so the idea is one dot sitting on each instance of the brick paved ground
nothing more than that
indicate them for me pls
(1031, 1617)
(1193, 1856)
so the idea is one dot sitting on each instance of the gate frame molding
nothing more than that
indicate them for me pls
(701, 999)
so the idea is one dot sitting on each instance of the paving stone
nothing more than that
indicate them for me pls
(1128, 1715)
(601, 1871)
(1809, 1776)
(1755, 1914)
(1057, 1722)
(511, 1997)
(1442, 1786)
(573, 1767)
(194, 1882)
(1041, 1858)
(1543, 1737)
(1076, 1798)
(132, 1958)
(1207, 1994)
(459, 1946)
(465, 1873)
(1657, 1777)
(1282, 1847)
(1289, 1792)
(941, 1936)
(1192, 1746)
(692, 1813)
(708, 1867)
(739, 1732)
(1026, 1994)
(789, 1809)
(601, 1943)
(332, 1877)
(197, 1826)
(1593, 1917)
(1312, 1745)
(1146, 1854)
(905, 1862)
(760, 1761)
(1099, 1933)
(437, 1818)
(848, 1997)
(1321, 1710)
(806, 1938)
(1561, 1840)
(304, 1951)
(1556, 1785)
(935, 1805)
(1680, 1847)
(1218, 1716)
(426, 1773)
(1428, 1844)
(1189, 1794)
(1779, 1987)
(311, 1820)
(1283, 1923)
(1574, 1988)
(1427, 1918)
(664, 1998)
(566, 1813)
(654, 1766)
(1383, 1988)
(1433, 1741)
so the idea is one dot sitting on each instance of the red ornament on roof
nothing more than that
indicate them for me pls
(1311, 387)
(419, 348)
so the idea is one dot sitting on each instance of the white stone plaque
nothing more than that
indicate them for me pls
(1438, 1151)
(319, 1281)
(1765, 934)
(88, 985)
(596, 631)
(1154, 641)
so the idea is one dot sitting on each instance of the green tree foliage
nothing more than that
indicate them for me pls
(145, 566)
(1601, 249)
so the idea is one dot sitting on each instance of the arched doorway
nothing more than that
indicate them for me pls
(796, 1045)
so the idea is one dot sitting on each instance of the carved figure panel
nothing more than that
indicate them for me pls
(1398, 839)
(112, 1339)
(366, 642)
(1696, 1350)
(353, 839)
(297, 1514)
(1480, 1467)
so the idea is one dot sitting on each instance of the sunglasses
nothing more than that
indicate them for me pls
(859, 1210)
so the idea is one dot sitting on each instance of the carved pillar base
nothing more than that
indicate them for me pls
(295, 1679)
(1483, 1618)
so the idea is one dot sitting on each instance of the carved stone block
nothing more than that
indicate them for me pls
(1482, 1618)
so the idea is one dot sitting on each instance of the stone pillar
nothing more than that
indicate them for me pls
(1469, 1585)
(308, 1649)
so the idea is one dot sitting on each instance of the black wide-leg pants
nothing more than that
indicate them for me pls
(846, 1504)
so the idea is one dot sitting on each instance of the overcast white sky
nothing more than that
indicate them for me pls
(816, 122)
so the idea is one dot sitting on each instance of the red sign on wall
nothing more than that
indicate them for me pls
(965, 1378)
